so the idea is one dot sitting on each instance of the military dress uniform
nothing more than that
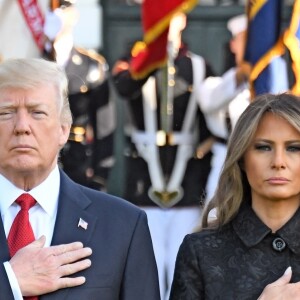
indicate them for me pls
(222, 103)
(164, 176)
(88, 155)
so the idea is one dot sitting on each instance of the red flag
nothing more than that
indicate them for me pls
(151, 53)
(17, 38)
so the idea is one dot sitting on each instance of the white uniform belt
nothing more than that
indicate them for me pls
(162, 138)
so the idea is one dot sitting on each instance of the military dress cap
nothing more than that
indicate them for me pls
(237, 24)
(66, 3)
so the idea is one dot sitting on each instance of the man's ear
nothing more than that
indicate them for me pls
(64, 134)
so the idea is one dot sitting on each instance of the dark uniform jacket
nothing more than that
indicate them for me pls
(88, 156)
(137, 179)
(238, 261)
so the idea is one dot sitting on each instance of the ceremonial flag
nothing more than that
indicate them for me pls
(21, 27)
(34, 20)
(264, 47)
(151, 53)
(291, 39)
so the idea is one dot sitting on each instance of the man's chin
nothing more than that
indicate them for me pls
(24, 166)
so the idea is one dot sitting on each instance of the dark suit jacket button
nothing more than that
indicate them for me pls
(278, 244)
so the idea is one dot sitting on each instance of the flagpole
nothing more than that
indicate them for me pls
(168, 83)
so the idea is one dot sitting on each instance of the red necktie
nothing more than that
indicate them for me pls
(21, 234)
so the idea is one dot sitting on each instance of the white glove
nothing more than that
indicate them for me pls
(53, 23)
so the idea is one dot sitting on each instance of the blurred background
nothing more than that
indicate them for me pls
(109, 27)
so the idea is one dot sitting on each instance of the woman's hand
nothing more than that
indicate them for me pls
(282, 289)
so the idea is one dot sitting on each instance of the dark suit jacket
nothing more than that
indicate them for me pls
(123, 263)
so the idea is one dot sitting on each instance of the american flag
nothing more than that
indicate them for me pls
(264, 47)
(83, 224)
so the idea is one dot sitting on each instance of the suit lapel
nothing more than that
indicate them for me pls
(4, 252)
(66, 228)
(4, 256)
(72, 207)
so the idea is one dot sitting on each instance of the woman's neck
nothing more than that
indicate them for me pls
(275, 213)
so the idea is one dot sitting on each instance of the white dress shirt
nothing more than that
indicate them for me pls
(42, 215)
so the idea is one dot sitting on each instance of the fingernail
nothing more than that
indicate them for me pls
(288, 271)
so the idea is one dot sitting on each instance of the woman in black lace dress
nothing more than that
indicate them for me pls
(251, 250)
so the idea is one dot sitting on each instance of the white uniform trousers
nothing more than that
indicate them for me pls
(219, 151)
(168, 227)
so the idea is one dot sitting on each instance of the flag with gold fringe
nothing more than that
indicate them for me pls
(265, 47)
(151, 53)
(291, 39)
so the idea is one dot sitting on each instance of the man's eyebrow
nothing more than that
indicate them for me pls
(6, 104)
(9, 104)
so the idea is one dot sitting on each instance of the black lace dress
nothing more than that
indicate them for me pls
(238, 261)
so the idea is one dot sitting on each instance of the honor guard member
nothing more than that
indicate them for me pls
(223, 99)
(164, 175)
(88, 156)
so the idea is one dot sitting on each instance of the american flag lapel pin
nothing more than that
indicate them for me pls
(83, 224)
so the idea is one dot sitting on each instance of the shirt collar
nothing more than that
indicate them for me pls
(252, 230)
(46, 193)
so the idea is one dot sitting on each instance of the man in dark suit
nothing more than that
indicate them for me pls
(85, 244)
